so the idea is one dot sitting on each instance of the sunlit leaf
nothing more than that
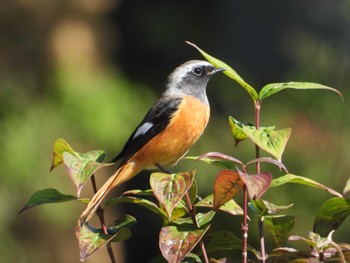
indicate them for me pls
(82, 167)
(201, 219)
(228, 72)
(279, 227)
(224, 241)
(291, 178)
(273, 88)
(147, 192)
(269, 140)
(47, 196)
(256, 184)
(90, 240)
(218, 159)
(331, 215)
(347, 187)
(237, 130)
(227, 185)
(176, 242)
(230, 207)
(60, 146)
(138, 201)
(263, 207)
(170, 188)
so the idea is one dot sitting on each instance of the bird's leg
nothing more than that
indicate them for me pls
(165, 170)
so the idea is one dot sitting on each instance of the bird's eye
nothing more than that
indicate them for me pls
(197, 71)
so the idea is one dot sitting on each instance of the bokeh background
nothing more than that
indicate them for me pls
(87, 71)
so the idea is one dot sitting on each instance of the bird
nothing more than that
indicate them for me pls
(168, 130)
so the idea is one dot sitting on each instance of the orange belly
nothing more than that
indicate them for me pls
(184, 129)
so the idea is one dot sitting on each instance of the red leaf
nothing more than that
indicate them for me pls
(257, 184)
(176, 243)
(227, 184)
(170, 188)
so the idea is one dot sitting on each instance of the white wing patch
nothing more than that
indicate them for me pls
(143, 129)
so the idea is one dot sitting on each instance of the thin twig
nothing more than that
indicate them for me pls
(245, 224)
(100, 215)
(193, 216)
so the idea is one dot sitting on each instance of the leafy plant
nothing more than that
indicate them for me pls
(188, 217)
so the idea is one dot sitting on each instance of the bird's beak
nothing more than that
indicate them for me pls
(215, 70)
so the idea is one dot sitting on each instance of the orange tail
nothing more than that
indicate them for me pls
(122, 175)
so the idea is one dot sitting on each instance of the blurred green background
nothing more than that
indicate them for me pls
(87, 71)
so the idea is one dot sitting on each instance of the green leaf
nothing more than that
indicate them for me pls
(279, 227)
(138, 201)
(273, 88)
(237, 130)
(263, 207)
(47, 196)
(291, 178)
(331, 215)
(256, 184)
(202, 219)
(227, 185)
(60, 146)
(121, 227)
(224, 241)
(90, 239)
(228, 72)
(269, 140)
(230, 207)
(170, 188)
(176, 242)
(287, 254)
(82, 167)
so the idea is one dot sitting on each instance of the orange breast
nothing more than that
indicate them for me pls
(184, 129)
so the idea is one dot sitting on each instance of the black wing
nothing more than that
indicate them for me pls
(156, 120)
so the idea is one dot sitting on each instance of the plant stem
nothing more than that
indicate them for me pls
(100, 215)
(245, 224)
(193, 216)
(258, 170)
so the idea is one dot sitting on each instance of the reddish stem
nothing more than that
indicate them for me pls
(100, 215)
(193, 216)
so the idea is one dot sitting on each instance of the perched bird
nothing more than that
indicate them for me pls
(171, 126)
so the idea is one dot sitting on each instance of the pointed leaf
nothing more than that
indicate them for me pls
(219, 159)
(90, 240)
(176, 243)
(82, 167)
(227, 185)
(279, 227)
(138, 201)
(273, 88)
(170, 188)
(237, 130)
(291, 178)
(60, 146)
(230, 207)
(47, 196)
(269, 140)
(228, 72)
(201, 220)
(257, 184)
(347, 187)
(264, 208)
(121, 227)
(331, 215)
(269, 160)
